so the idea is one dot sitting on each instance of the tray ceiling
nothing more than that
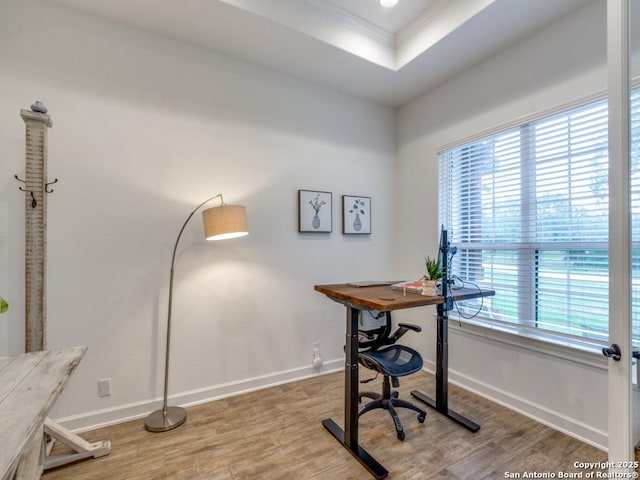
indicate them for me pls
(389, 56)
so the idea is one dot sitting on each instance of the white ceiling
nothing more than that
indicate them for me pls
(356, 46)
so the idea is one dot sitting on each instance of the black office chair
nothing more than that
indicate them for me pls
(379, 352)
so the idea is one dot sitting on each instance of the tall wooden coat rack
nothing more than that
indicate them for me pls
(36, 187)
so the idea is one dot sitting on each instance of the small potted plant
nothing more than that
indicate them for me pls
(434, 273)
(4, 306)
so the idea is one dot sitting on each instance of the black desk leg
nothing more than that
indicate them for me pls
(441, 404)
(349, 437)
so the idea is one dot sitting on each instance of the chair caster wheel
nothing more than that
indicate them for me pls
(421, 417)
(401, 436)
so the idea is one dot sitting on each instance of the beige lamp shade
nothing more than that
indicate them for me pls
(225, 221)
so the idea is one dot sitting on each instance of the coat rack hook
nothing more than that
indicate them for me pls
(46, 186)
(22, 189)
(34, 202)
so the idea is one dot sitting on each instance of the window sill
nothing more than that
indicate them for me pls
(584, 353)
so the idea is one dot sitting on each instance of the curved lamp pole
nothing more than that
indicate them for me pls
(221, 222)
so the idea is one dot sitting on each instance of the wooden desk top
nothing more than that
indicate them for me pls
(386, 299)
(29, 385)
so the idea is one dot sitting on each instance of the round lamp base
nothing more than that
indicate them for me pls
(158, 421)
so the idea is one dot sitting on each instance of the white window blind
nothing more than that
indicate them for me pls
(527, 209)
(635, 213)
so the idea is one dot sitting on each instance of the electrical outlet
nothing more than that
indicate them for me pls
(316, 359)
(104, 387)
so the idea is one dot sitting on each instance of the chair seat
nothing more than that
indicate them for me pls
(395, 360)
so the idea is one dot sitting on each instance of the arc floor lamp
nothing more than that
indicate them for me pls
(220, 222)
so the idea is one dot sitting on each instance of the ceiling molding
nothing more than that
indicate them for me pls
(438, 21)
(329, 25)
(349, 20)
(420, 23)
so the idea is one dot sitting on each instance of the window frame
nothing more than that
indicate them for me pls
(490, 327)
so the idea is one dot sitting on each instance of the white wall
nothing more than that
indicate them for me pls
(145, 128)
(560, 64)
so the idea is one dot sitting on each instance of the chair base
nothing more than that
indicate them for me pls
(389, 401)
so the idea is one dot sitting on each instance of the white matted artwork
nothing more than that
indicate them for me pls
(356, 215)
(314, 211)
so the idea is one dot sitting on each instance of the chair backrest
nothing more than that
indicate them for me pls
(376, 338)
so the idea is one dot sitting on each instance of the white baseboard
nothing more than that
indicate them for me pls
(558, 421)
(122, 413)
(132, 411)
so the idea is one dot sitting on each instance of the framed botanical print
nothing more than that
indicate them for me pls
(314, 211)
(356, 215)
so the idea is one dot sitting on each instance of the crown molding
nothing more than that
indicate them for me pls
(423, 21)
(350, 20)
(328, 23)
(437, 22)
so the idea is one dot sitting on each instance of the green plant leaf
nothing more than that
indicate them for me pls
(433, 269)
(4, 306)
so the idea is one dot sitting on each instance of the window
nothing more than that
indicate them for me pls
(527, 209)
(635, 213)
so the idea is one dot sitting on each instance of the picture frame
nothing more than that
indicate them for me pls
(314, 211)
(356, 215)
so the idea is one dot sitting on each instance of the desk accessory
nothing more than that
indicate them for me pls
(369, 283)
(221, 222)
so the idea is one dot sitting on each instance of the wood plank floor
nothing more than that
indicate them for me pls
(276, 434)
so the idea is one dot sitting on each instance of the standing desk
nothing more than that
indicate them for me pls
(384, 299)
